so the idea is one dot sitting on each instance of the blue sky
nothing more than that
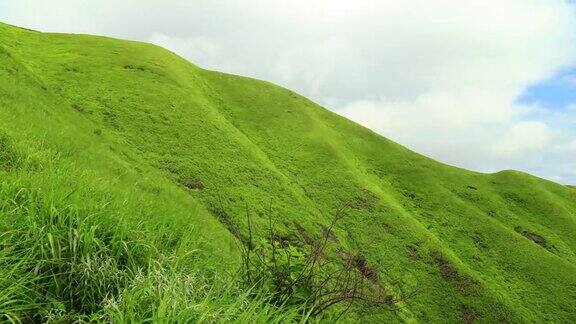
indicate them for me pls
(556, 93)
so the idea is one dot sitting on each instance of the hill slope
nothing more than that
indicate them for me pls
(98, 135)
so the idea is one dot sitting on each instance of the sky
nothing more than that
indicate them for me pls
(486, 85)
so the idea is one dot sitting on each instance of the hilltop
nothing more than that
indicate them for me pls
(126, 174)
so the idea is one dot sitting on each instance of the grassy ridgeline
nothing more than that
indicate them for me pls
(89, 233)
(100, 138)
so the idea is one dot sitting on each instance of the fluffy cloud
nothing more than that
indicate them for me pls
(522, 137)
(441, 77)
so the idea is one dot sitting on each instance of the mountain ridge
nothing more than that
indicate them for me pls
(147, 116)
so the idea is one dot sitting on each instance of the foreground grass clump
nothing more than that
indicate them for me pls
(61, 262)
(126, 174)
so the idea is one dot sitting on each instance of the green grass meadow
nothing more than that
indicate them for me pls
(98, 137)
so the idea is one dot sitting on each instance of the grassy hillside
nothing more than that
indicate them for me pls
(102, 139)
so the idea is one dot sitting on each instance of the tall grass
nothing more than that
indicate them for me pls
(65, 262)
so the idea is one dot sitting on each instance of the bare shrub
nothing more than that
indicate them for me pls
(312, 272)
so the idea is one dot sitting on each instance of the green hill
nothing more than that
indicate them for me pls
(125, 171)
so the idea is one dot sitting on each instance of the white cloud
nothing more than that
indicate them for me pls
(440, 77)
(568, 147)
(522, 138)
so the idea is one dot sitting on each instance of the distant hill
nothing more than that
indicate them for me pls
(126, 172)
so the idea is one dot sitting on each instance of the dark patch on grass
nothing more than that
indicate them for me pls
(141, 68)
(412, 251)
(193, 184)
(308, 239)
(4, 52)
(503, 319)
(76, 106)
(165, 119)
(283, 240)
(386, 227)
(479, 240)
(72, 69)
(515, 199)
(129, 67)
(449, 273)
(531, 236)
(366, 199)
(362, 266)
(468, 193)
(467, 314)
(415, 200)
(409, 194)
(328, 233)
(111, 118)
